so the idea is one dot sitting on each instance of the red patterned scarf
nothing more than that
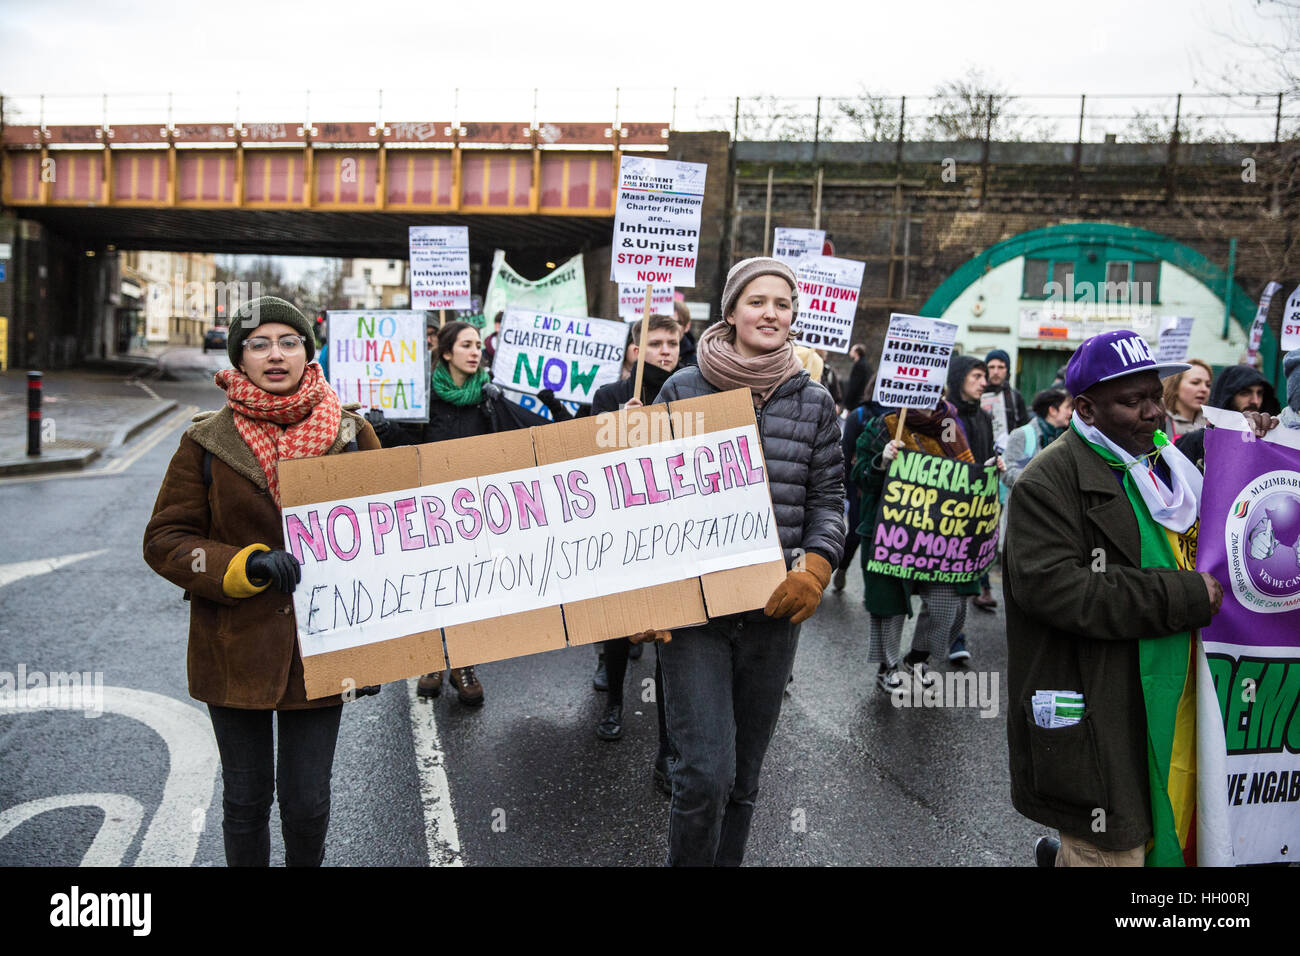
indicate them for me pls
(276, 427)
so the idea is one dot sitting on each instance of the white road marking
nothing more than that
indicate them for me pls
(435, 793)
(118, 465)
(172, 839)
(147, 390)
(122, 816)
(9, 573)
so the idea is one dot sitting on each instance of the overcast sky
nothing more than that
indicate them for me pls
(578, 51)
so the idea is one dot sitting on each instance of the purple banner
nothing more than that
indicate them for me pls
(1250, 538)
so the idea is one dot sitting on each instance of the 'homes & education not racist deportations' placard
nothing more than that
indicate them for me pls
(657, 222)
(937, 519)
(571, 356)
(914, 362)
(485, 548)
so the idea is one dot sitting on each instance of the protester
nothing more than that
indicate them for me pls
(1291, 369)
(1102, 599)
(1184, 394)
(462, 404)
(856, 391)
(1052, 410)
(1009, 413)
(888, 599)
(663, 338)
(490, 343)
(853, 425)
(216, 532)
(967, 382)
(1240, 388)
(724, 681)
(683, 314)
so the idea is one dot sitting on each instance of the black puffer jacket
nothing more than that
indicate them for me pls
(805, 466)
(1232, 381)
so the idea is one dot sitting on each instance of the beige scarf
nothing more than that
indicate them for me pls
(726, 368)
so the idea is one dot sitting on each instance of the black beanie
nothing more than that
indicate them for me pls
(263, 311)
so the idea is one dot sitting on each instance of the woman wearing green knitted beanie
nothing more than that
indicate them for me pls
(462, 403)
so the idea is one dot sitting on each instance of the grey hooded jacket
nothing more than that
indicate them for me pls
(805, 465)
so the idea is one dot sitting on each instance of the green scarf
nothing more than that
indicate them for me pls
(471, 393)
(1163, 663)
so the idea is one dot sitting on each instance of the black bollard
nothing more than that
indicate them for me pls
(33, 413)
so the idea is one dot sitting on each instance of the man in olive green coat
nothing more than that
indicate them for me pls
(1080, 600)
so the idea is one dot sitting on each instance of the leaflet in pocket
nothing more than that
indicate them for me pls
(1057, 708)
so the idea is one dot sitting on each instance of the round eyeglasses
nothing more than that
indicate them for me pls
(260, 345)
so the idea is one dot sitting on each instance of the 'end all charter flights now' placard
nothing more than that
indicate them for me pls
(657, 221)
(570, 356)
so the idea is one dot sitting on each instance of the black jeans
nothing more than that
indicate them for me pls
(252, 776)
(723, 686)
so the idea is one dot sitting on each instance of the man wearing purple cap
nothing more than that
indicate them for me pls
(1102, 600)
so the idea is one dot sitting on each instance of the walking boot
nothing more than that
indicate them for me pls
(468, 689)
(430, 685)
(611, 725)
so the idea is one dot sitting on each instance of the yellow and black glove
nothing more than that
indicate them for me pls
(799, 594)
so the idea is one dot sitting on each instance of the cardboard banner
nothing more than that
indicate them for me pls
(503, 545)
(572, 357)
(913, 366)
(1291, 322)
(657, 221)
(631, 301)
(791, 245)
(1249, 728)
(1261, 321)
(439, 267)
(380, 359)
(563, 292)
(937, 519)
(828, 302)
(1175, 337)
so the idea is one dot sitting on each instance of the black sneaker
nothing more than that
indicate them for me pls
(1045, 850)
(611, 725)
(889, 681)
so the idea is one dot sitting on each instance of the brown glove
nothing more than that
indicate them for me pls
(651, 635)
(799, 594)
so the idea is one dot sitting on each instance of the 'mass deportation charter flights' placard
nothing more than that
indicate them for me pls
(914, 362)
(439, 267)
(937, 519)
(631, 301)
(657, 221)
(380, 360)
(571, 356)
(828, 302)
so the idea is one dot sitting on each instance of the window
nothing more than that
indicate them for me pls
(1146, 279)
(1131, 282)
(1061, 275)
(1035, 279)
(366, 275)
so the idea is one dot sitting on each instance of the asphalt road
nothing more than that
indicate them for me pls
(850, 779)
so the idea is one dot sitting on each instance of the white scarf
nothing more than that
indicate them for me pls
(1174, 508)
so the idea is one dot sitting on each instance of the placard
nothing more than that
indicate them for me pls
(380, 359)
(1261, 321)
(570, 356)
(631, 301)
(828, 302)
(439, 267)
(657, 221)
(913, 368)
(1291, 322)
(791, 245)
(937, 519)
(1175, 338)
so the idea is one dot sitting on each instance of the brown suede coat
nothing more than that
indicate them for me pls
(243, 652)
